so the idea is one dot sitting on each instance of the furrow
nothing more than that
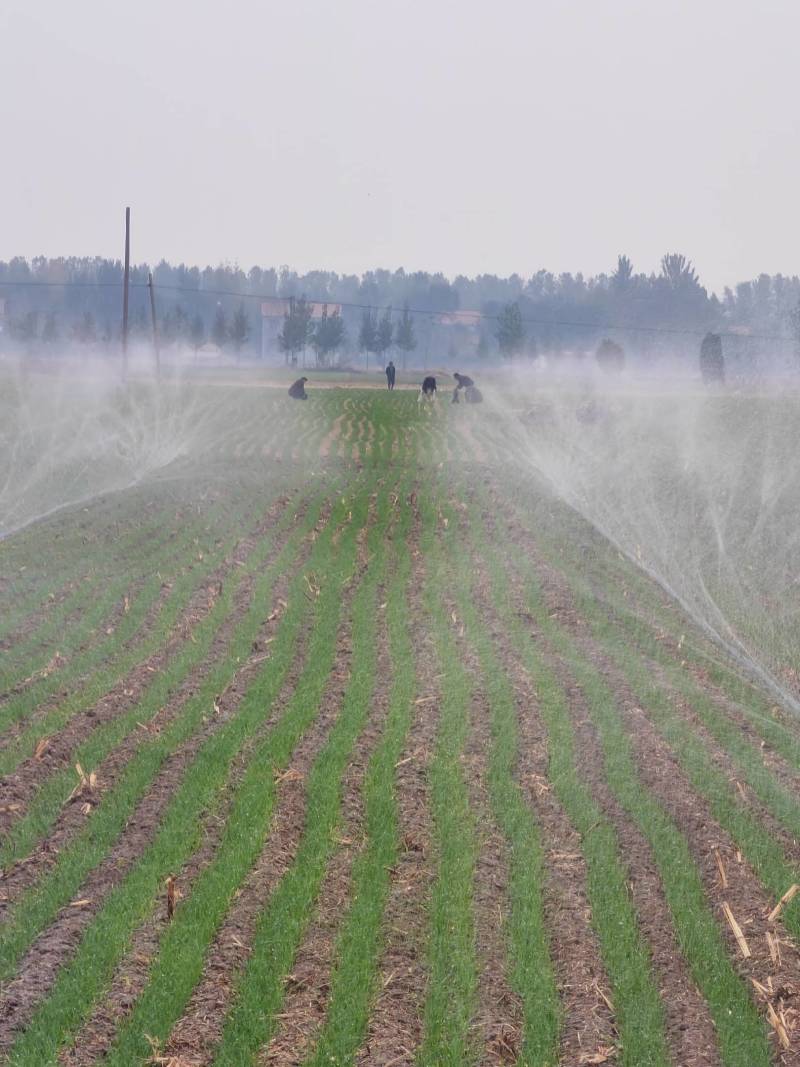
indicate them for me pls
(652, 836)
(129, 904)
(130, 694)
(260, 990)
(394, 1030)
(170, 722)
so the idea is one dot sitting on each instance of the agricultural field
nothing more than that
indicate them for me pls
(343, 732)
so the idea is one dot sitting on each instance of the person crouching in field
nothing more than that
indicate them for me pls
(462, 382)
(297, 390)
(390, 375)
(427, 390)
(472, 393)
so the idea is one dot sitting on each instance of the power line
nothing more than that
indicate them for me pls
(483, 316)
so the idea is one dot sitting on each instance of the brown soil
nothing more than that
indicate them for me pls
(19, 877)
(497, 1026)
(395, 1026)
(588, 1023)
(308, 986)
(198, 1032)
(38, 615)
(51, 950)
(18, 788)
(661, 774)
(59, 660)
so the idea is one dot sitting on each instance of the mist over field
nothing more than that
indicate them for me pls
(399, 542)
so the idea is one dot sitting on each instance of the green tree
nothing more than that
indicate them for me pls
(219, 331)
(622, 278)
(404, 337)
(297, 328)
(384, 335)
(50, 332)
(85, 330)
(25, 328)
(139, 324)
(677, 271)
(610, 356)
(712, 362)
(368, 333)
(181, 324)
(328, 336)
(240, 328)
(197, 333)
(510, 333)
(794, 322)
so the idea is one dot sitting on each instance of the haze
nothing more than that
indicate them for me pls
(461, 137)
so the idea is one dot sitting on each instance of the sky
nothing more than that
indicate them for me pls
(466, 137)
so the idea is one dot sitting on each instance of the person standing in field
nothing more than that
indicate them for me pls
(390, 374)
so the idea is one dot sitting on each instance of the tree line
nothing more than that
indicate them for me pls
(78, 299)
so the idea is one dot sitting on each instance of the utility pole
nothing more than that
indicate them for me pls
(125, 289)
(155, 324)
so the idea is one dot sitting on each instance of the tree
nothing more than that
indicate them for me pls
(240, 328)
(622, 277)
(368, 333)
(197, 333)
(510, 333)
(86, 330)
(384, 335)
(404, 336)
(168, 330)
(610, 356)
(677, 271)
(50, 330)
(25, 328)
(328, 336)
(219, 331)
(794, 320)
(712, 362)
(139, 325)
(297, 328)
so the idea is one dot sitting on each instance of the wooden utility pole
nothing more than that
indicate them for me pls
(125, 289)
(155, 324)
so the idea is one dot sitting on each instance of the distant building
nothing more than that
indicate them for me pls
(457, 333)
(273, 312)
(469, 319)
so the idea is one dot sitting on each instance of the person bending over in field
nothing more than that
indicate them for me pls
(472, 393)
(428, 389)
(297, 390)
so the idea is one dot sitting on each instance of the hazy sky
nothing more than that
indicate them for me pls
(463, 136)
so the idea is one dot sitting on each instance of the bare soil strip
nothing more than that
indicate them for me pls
(498, 1022)
(331, 438)
(588, 1022)
(308, 986)
(197, 1034)
(661, 773)
(689, 1027)
(18, 788)
(395, 1028)
(57, 944)
(73, 815)
(785, 775)
(130, 979)
(105, 627)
